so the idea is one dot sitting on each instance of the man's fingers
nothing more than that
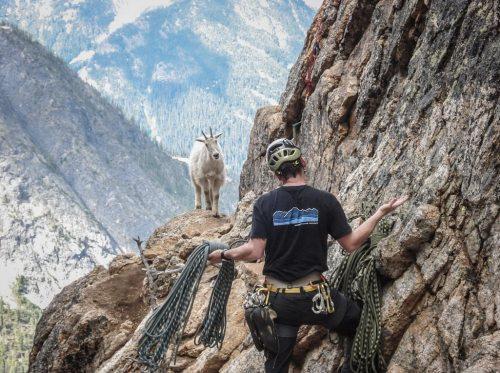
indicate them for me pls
(395, 202)
(402, 200)
(213, 257)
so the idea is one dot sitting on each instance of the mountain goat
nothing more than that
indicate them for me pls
(207, 171)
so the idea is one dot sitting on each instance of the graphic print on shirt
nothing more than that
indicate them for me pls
(296, 216)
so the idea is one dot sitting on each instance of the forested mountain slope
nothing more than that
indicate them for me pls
(176, 66)
(77, 179)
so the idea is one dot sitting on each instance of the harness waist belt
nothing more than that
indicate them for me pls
(306, 280)
(294, 290)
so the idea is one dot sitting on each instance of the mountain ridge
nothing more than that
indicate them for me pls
(78, 179)
(180, 68)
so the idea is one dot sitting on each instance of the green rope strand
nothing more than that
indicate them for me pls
(166, 325)
(357, 278)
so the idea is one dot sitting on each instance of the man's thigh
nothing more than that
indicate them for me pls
(287, 336)
(293, 309)
(346, 317)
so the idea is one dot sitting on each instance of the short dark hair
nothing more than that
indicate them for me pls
(289, 169)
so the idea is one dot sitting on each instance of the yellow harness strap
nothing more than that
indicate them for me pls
(294, 290)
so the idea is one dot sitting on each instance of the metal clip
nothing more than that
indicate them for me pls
(322, 301)
(318, 303)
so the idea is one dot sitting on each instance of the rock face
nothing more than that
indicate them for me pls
(404, 100)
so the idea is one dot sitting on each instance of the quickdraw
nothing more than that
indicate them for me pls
(322, 301)
(259, 297)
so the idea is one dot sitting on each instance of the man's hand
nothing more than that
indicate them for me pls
(215, 257)
(355, 239)
(252, 250)
(392, 205)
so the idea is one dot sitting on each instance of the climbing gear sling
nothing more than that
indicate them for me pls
(260, 318)
(164, 328)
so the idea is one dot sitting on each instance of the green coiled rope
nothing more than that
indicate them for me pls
(356, 277)
(165, 327)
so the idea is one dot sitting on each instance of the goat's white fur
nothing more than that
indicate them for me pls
(207, 174)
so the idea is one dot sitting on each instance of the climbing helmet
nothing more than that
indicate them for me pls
(281, 151)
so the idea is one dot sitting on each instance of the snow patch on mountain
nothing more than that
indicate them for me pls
(314, 4)
(83, 56)
(127, 11)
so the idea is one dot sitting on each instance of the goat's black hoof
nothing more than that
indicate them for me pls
(197, 207)
(208, 208)
(216, 216)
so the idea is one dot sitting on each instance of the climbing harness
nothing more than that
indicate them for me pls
(260, 317)
(357, 278)
(164, 328)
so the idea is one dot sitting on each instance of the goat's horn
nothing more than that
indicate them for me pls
(211, 133)
(205, 136)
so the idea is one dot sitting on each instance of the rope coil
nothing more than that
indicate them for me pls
(357, 278)
(165, 327)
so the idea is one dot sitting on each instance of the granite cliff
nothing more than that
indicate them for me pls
(403, 99)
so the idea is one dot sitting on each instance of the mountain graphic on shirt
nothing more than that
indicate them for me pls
(296, 216)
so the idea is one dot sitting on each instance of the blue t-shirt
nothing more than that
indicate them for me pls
(296, 221)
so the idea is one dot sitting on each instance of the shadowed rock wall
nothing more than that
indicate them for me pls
(405, 101)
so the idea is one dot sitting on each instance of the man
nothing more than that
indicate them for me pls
(290, 226)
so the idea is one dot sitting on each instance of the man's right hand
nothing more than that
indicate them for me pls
(215, 257)
(355, 239)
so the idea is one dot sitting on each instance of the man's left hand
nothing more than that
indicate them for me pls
(215, 257)
(392, 205)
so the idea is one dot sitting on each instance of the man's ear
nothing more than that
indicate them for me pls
(201, 140)
(280, 177)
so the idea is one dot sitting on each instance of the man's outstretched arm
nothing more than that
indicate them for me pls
(356, 238)
(252, 250)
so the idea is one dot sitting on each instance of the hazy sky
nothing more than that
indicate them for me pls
(315, 4)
